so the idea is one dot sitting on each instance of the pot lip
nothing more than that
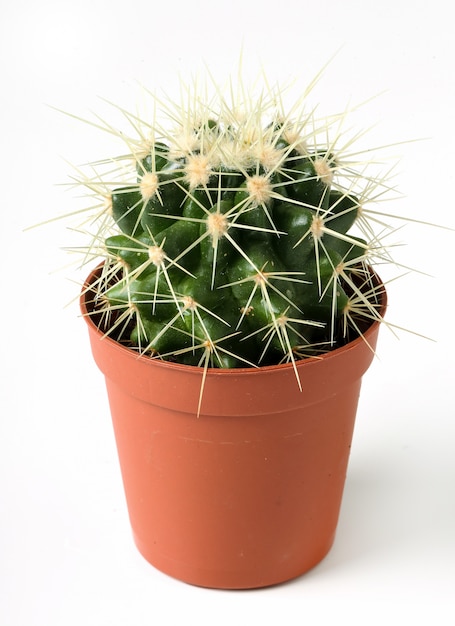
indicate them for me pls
(237, 371)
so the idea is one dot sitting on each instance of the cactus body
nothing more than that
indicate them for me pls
(236, 244)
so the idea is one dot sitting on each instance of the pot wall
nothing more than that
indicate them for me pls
(247, 494)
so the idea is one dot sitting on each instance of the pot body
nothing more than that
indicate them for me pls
(248, 493)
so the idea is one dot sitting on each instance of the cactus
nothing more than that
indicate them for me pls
(241, 238)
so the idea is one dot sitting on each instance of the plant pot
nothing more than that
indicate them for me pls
(247, 494)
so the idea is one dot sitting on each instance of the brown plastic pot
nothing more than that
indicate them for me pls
(247, 494)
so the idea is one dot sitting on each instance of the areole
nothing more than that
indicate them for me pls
(248, 493)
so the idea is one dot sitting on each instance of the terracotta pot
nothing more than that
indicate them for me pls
(247, 494)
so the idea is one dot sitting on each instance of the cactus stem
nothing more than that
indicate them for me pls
(164, 329)
(262, 280)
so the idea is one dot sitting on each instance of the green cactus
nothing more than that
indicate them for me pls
(241, 240)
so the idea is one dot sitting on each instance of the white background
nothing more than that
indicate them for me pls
(66, 554)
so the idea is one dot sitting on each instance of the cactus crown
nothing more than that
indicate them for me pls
(238, 236)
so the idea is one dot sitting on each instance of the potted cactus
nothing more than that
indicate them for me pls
(233, 315)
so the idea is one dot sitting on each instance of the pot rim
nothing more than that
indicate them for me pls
(238, 371)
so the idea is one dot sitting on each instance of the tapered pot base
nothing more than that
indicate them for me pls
(260, 576)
